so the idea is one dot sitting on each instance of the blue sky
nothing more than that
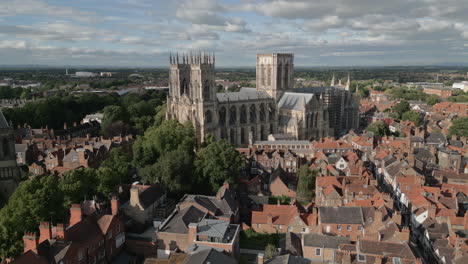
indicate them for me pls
(320, 33)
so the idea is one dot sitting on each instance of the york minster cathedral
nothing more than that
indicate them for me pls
(252, 114)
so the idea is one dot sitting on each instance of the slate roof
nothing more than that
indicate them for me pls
(213, 228)
(243, 95)
(294, 101)
(151, 194)
(423, 154)
(340, 215)
(288, 259)
(386, 249)
(179, 221)
(324, 241)
(206, 256)
(436, 138)
(3, 121)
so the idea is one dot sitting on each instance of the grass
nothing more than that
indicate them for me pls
(253, 240)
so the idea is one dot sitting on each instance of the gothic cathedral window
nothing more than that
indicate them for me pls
(206, 90)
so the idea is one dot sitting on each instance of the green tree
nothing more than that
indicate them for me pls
(306, 183)
(33, 201)
(158, 140)
(459, 127)
(432, 99)
(218, 162)
(412, 116)
(118, 160)
(113, 114)
(77, 185)
(174, 170)
(379, 129)
(270, 250)
(107, 180)
(401, 107)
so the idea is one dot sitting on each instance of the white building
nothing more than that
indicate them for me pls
(96, 116)
(84, 74)
(461, 85)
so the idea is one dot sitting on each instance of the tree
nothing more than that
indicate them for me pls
(77, 185)
(118, 160)
(379, 129)
(401, 107)
(432, 99)
(158, 140)
(306, 183)
(270, 251)
(218, 162)
(459, 127)
(107, 180)
(113, 114)
(412, 116)
(174, 170)
(33, 201)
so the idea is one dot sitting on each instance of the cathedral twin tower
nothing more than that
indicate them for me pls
(254, 113)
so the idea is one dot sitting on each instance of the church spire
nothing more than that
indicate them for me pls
(348, 83)
(333, 80)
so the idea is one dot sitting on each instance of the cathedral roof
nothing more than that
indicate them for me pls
(294, 101)
(3, 122)
(243, 95)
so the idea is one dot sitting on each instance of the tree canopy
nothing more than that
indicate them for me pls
(401, 107)
(459, 127)
(305, 183)
(379, 129)
(412, 116)
(218, 162)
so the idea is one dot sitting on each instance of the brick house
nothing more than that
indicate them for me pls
(322, 248)
(342, 221)
(282, 219)
(148, 202)
(91, 239)
(282, 184)
(176, 232)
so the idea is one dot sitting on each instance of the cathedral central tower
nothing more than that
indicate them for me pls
(275, 73)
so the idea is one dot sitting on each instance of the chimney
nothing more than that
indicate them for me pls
(269, 219)
(396, 217)
(192, 233)
(65, 125)
(432, 211)
(346, 258)
(115, 205)
(466, 220)
(60, 231)
(378, 260)
(45, 231)
(88, 137)
(82, 157)
(75, 214)
(31, 241)
(260, 258)
(74, 124)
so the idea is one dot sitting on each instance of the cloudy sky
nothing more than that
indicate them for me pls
(319, 32)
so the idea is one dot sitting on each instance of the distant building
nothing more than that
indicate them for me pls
(106, 74)
(85, 74)
(93, 117)
(442, 92)
(461, 85)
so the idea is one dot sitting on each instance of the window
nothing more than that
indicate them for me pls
(318, 252)
(109, 235)
(80, 255)
(280, 227)
(359, 228)
(361, 258)
(259, 225)
(396, 260)
(348, 228)
(290, 228)
(305, 230)
(338, 227)
(118, 228)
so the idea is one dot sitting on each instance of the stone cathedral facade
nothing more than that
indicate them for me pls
(273, 107)
(9, 170)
